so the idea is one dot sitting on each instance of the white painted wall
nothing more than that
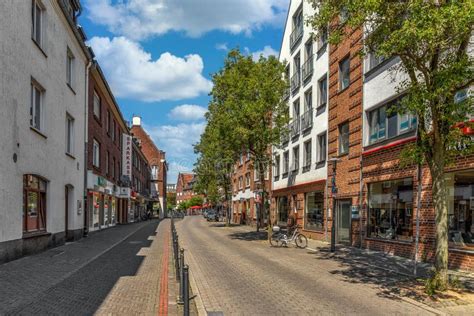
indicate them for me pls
(320, 122)
(20, 60)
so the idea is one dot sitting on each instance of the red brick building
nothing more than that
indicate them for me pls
(246, 185)
(140, 198)
(184, 189)
(157, 161)
(105, 203)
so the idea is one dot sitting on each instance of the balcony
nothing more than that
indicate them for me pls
(296, 35)
(307, 69)
(295, 81)
(307, 120)
(285, 137)
(295, 128)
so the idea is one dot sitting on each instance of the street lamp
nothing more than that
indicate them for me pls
(334, 161)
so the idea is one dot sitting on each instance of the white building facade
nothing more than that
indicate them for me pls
(300, 163)
(43, 64)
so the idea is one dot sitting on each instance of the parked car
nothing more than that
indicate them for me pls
(212, 216)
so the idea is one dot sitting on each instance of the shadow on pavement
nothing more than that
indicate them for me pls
(86, 289)
(221, 225)
(249, 236)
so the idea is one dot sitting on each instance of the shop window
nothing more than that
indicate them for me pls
(391, 210)
(461, 209)
(34, 204)
(314, 211)
(282, 217)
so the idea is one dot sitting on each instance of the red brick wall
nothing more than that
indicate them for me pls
(97, 130)
(346, 106)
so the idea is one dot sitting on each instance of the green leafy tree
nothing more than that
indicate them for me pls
(248, 109)
(431, 39)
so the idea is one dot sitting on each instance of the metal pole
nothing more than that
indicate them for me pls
(186, 289)
(181, 275)
(418, 205)
(334, 191)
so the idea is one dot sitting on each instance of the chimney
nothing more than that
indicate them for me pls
(136, 121)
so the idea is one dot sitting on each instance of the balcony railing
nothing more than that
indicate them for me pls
(307, 69)
(296, 35)
(285, 137)
(295, 128)
(307, 120)
(295, 81)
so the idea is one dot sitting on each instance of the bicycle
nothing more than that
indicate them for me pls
(279, 239)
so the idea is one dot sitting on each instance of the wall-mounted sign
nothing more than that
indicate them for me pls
(101, 182)
(355, 211)
(127, 156)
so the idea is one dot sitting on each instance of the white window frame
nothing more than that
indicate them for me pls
(322, 101)
(70, 68)
(37, 104)
(96, 153)
(38, 35)
(307, 154)
(322, 147)
(296, 158)
(97, 106)
(247, 179)
(277, 166)
(69, 135)
(286, 162)
(343, 86)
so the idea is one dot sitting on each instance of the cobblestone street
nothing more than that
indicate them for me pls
(238, 274)
(116, 271)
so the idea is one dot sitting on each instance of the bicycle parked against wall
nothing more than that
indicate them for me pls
(279, 238)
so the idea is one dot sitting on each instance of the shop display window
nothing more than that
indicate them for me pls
(391, 210)
(314, 211)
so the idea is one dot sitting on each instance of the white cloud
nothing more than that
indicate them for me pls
(222, 46)
(139, 19)
(187, 112)
(177, 141)
(133, 73)
(265, 52)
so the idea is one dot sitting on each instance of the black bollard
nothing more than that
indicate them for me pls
(186, 289)
(181, 270)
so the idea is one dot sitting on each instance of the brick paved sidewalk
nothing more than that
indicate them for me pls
(114, 271)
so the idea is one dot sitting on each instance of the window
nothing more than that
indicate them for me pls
(107, 122)
(282, 210)
(240, 182)
(385, 123)
(113, 168)
(461, 209)
(296, 159)
(296, 110)
(308, 48)
(314, 206)
(37, 22)
(70, 68)
(344, 138)
(34, 204)
(96, 154)
(343, 15)
(344, 73)
(247, 179)
(277, 166)
(323, 91)
(373, 60)
(107, 162)
(241, 161)
(248, 155)
(322, 148)
(323, 38)
(69, 135)
(286, 162)
(36, 107)
(308, 100)
(307, 154)
(391, 209)
(97, 105)
(113, 130)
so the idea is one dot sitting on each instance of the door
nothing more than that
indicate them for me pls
(343, 229)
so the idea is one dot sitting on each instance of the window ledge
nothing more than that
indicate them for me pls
(39, 47)
(70, 155)
(71, 88)
(340, 91)
(35, 234)
(393, 241)
(37, 131)
(320, 164)
(469, 250)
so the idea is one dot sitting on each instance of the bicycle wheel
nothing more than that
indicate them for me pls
(275, 240)
(301, 241)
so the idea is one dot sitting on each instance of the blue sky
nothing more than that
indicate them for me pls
(159, 55)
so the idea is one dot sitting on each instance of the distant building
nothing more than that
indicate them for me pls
(157, 161)
(171, 188)
(184, 188)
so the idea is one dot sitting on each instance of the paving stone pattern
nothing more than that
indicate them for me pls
(112, 272)
(237, 273)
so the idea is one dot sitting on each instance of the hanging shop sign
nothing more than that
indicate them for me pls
(127, 156)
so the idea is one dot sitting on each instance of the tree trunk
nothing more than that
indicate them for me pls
(441, 210)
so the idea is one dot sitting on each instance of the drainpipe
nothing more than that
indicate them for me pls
(418, 205)
(361, 187)
(327, 212)
(86, 135)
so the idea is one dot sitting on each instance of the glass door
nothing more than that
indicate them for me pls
(343, 221)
